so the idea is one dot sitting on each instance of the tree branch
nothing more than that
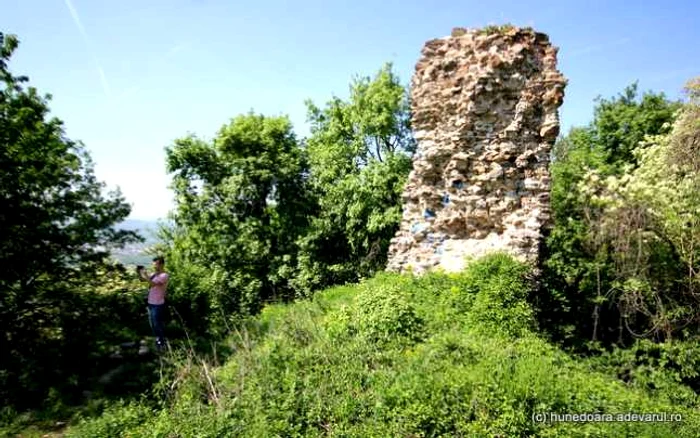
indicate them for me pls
(377, 148)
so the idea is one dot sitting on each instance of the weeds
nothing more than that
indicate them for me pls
(439, 355)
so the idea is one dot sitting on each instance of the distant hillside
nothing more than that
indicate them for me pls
(144, 227)
(134, 254)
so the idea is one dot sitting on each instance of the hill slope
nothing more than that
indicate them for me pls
(440, 355)
(135, 253)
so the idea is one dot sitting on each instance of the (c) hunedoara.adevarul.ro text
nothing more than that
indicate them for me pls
(593, 417)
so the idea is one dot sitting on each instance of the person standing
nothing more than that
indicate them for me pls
(158, 284)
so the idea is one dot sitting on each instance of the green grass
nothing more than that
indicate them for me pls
(440, 355)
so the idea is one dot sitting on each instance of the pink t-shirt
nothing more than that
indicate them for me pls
(156, 295)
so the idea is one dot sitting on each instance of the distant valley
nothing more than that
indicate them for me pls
(135, 253)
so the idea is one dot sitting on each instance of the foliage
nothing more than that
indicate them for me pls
(372, 125)
(291, 376)
(648, 216)
(579, 262)
(241, 205)
(669, 368)
(118, 416)
(384, 313)
(360, 155)
(58, 227)
(261, 217)
(499, 30)
(619, 124)
(501, 302)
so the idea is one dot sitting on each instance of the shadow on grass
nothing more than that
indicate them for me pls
(124, 371)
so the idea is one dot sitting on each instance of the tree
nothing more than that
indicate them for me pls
(57, 228)
(261, 216)
(372, 125)
(360, 155)
(241, 204)
(649, 217)
(620, 123)
(580, 261)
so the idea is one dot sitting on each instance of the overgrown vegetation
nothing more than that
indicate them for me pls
(283, 322)
(57, 227)
(622, 251)
(263, 217)
(343, 364)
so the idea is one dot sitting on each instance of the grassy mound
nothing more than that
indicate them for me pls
(440, 355)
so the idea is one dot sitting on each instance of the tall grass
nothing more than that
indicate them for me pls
(439, 355)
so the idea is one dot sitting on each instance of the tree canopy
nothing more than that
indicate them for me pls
(57, 227)
(593, 267)
(262, 215)
(360, 155)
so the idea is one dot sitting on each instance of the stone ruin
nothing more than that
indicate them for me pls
(485, 115)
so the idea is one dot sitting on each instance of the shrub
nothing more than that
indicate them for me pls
(387, 358)
(384, 313)
(500, 305)
(668, 369)
(116, 421)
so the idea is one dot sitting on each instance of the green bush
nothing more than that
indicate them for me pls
(384, 313)
(668, 370)
(339, 323)
(324, 368)
(501, 303)
(581, 302)
(118, 420)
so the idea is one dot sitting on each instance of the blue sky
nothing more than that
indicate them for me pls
(128, 77)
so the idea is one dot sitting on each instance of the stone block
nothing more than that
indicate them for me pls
(485, 116)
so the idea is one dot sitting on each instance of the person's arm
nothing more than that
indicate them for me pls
(163, 279)
(159, 279)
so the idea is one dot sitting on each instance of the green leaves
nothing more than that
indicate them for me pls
(242, 202)
(373, 125)
(283, 218)
(663, 193)
(625, 198)
(58, 225)
(622, 122)
(386, 314)
(391, 357)
(580, 259)
(360, 156)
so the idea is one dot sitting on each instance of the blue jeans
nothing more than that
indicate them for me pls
(155, 317)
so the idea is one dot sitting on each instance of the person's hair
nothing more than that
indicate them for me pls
(160, 259)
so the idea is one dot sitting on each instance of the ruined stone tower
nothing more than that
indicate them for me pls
(485, 115)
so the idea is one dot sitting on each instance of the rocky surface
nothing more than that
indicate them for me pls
(485, 115)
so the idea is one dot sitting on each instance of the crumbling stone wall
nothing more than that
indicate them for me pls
(485, 115)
